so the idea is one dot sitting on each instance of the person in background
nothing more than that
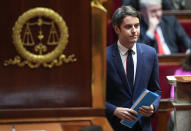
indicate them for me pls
(181, 4)
(166, 4)
(164, 33)
(131, 68)
(184, 69)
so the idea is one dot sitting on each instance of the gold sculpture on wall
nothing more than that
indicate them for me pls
(40, 36)
(98, 4)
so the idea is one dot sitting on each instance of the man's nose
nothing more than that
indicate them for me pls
(133, 30)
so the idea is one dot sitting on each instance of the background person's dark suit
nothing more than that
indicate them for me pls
(173, 33)
(119, 93)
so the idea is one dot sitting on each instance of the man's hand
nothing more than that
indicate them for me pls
(125, 114)
(146, 110)
(152, 22)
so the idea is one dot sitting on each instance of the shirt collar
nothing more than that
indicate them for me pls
(123, 50)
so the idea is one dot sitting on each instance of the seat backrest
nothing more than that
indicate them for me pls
(166, 70)
(116, 4)
(187, 27)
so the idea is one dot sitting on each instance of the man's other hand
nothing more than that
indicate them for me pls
(146, 110)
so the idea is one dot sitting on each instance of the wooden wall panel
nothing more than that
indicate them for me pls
(66, 86)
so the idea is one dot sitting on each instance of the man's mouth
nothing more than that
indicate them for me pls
(134, 36)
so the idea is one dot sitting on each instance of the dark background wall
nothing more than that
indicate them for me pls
(64, 86)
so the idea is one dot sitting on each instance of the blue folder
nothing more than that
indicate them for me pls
(145, 99)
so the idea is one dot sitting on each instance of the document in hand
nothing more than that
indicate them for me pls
(145, 99)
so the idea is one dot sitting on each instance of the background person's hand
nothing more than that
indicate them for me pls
(152, 22)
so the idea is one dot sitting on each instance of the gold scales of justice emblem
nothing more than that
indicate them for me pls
(46, 48)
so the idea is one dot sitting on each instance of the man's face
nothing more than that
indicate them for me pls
(129, 31)
(154, 11)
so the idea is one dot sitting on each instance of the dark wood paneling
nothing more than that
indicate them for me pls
(65, 86)
(176, 58)
(51, 112)
(67, 124)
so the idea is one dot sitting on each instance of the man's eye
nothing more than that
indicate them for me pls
(127, 26)
(137, 25)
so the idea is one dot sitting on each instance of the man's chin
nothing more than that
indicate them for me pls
(133, 41)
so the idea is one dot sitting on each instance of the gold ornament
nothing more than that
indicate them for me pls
(35, 45)
(98, 4)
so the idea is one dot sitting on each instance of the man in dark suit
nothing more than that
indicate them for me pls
(131, 68)
(164, 33)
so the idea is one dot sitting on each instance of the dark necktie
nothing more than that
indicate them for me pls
(130, 68)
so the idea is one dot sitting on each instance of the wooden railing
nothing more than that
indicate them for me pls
(180, 14)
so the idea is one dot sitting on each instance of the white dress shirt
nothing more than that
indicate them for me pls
(164, 44)
(123, 53)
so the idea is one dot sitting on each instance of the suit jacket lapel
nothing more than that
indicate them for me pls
(119, 66)
(140, 61)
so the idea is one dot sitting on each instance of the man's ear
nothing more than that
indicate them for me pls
(117, 30)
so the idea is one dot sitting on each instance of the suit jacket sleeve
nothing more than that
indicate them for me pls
(110, 108)
(144, 38)
(154, 81)
(182, 38)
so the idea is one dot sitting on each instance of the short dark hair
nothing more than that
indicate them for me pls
(122, 12)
